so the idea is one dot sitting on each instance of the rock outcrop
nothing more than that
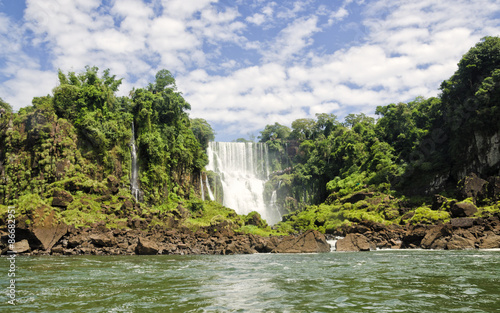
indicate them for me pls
(353, 242)
(311, 241)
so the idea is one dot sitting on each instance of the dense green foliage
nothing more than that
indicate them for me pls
(402, 152)
(69, 154)
(75, 145)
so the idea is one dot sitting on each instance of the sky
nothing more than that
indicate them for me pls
(243, 64)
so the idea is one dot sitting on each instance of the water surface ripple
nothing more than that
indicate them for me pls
(378, 281)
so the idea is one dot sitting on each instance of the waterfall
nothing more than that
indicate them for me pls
(201, 188)
(243, 168)
(210, 194)
(134, 175)
(273, 205)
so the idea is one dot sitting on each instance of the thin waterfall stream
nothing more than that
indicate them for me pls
(134, 175)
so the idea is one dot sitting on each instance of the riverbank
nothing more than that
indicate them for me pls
(458, 234)
(219, 239)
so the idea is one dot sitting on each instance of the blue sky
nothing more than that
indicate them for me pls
(245, 64)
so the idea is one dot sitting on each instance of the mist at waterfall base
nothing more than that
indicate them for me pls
(244, 169)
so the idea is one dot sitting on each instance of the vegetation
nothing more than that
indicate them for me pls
(400, 154)
(74, 146)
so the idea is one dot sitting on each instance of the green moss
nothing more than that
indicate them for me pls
(424, 215)
(212, 212)
(487, 211)
(265, 232)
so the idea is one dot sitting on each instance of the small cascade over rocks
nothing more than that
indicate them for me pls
(134, 175)
(243, 168)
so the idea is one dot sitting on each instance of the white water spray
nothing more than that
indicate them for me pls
(243, 169)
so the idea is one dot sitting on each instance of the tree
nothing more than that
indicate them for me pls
(202, 131)
(303, 128)
(4, 105)
(272, 132)
(325, 124)
(163, 80)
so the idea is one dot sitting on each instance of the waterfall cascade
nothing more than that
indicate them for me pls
(243, 168)
(210, 193)
(134, 175)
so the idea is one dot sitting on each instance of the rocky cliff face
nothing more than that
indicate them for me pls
(483, 155)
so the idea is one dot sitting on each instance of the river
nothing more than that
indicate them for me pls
(377, 281)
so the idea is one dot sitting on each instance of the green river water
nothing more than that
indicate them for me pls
(377, 281)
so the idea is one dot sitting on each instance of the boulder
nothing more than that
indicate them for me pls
(462, 222)
(463, 209)
(414, 236)
(103, 240)
(113, 184)
(44, 232)
(459, 243)
(61, 198)
(473, 187)
(21, 246)
(434, 233)
(146, 247)
(126, 207)
(491, 241)
(353, 242)
(439, 244)
(49, 236)
(311, 241)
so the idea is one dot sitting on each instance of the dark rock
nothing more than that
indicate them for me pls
(462, 222)
(353, 242)
(463, 209)
(75, 241)
(414, 236)
(494, 188)
(473, 187)
(126, 206)
(359, 196)
(311, 241)
(103, 240)
(57, 250)
(61, 198)
(146, 247)
(113, 184)
(439, 244)
(438, 201)
(434, 233)
(459, 243)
